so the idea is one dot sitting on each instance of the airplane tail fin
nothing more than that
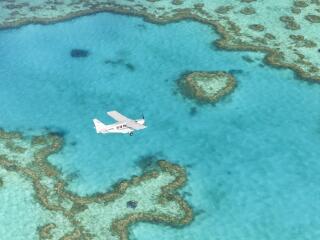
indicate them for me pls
(99, 126)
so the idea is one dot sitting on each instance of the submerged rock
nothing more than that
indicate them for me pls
(77, 53)
(132, 204)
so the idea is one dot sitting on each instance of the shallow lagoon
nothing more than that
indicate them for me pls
(252, 158)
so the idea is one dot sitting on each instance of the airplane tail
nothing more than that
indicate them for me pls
(99, 126)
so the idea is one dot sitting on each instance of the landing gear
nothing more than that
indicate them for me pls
(131, 133)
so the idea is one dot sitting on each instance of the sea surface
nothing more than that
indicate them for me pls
(252, 159)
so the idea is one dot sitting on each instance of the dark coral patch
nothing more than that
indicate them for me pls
(247, 59)
(79, 53)
(114, 62)
(132, 204)
(120, 62)
(147, 161)
(130, 67)
(141, 26)
(56, 131)
(235, 71)
(193, 111)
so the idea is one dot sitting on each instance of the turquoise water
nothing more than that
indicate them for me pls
(252, 159)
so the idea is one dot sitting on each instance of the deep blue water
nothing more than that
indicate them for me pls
(252, 159)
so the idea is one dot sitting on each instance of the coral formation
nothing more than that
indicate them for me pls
(149, 197)
(231, 21)
(79, 53)
(206, 87)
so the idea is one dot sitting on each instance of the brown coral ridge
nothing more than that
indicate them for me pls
(227, 41)
(273, 57)
(46, 145)
(45, 231)
(120, 226)
(189, 88)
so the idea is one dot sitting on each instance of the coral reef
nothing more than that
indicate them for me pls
(206, 87)
(149, 197)
(231, 21)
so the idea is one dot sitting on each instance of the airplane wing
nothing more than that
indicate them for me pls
(118, 116)
(134, 125)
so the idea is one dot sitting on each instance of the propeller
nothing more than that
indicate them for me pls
(144, 121)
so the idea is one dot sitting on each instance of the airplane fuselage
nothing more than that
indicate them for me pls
(119, 127)
(122, 125)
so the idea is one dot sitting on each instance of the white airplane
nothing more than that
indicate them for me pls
(123, 124)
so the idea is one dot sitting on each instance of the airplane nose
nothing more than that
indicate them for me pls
(142, 121)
